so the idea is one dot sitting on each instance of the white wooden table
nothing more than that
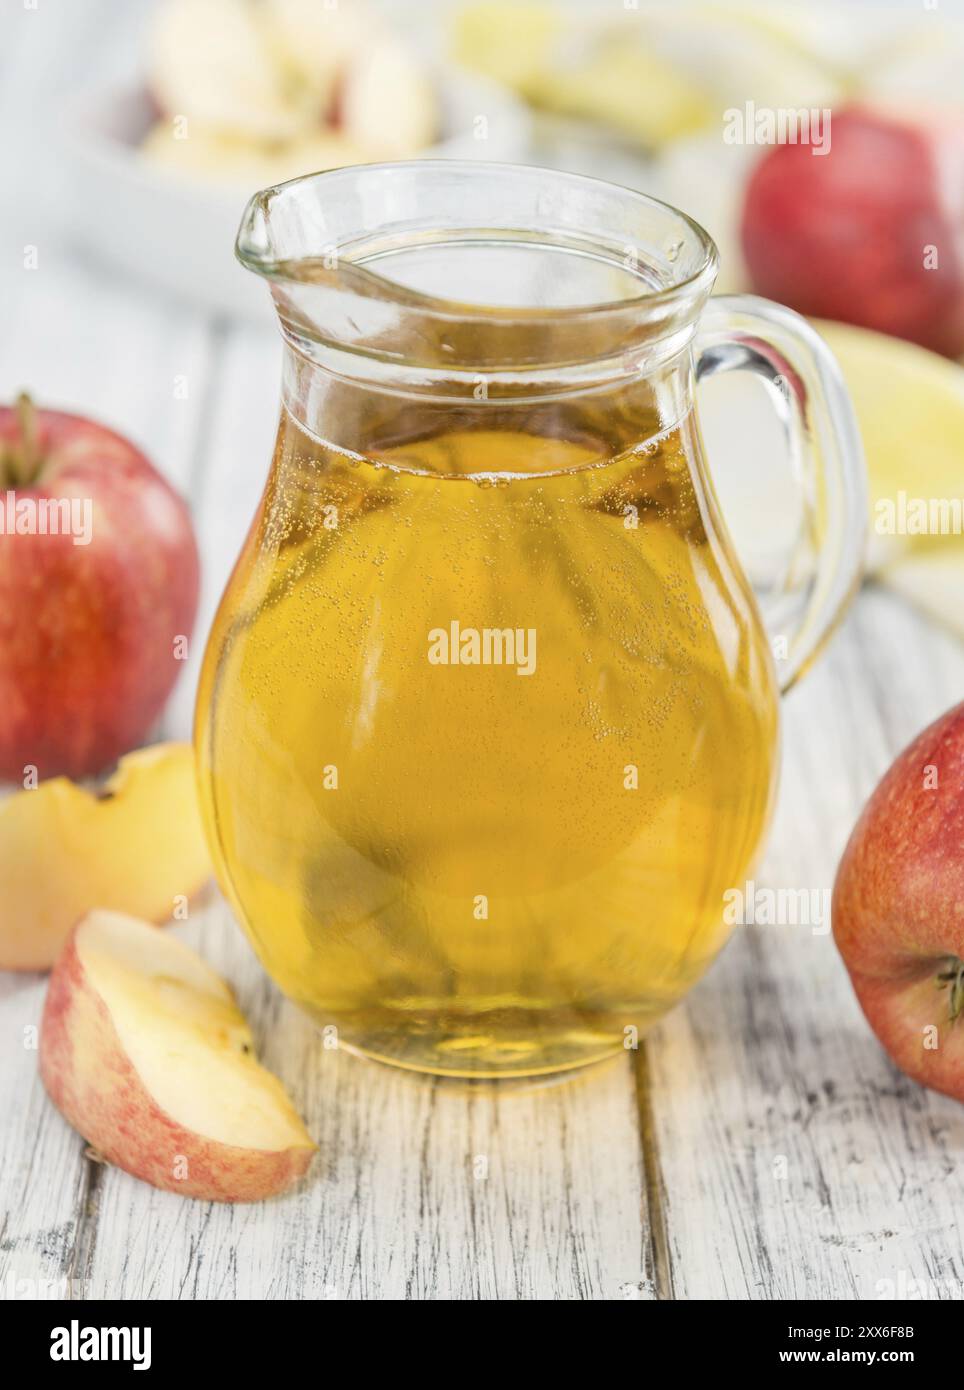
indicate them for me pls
(759, 1145)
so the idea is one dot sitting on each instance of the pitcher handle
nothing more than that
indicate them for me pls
(823, 570)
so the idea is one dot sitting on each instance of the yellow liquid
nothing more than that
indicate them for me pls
(465, 869)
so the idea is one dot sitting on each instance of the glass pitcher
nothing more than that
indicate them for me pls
(487, 725)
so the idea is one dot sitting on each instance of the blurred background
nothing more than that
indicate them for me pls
(822, 145)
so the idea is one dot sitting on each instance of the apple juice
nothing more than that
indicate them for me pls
(486, 728)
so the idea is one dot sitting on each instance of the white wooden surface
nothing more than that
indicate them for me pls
(760, 1146)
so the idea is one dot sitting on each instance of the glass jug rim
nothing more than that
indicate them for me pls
(534, 246)
(257, 250)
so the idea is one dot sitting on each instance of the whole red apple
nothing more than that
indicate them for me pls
(98, 578)
(870, 232)
(898, 907)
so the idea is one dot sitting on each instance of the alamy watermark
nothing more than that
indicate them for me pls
(753, 906)
(46, 516)
(16, 1286)
(778, 125)
(77, 1342)
(919, 516)
(487, 646)
(919, 1290)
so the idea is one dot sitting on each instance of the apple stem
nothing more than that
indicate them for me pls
(22, 458)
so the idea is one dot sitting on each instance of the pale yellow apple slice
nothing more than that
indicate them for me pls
(213, 63)
(578, 67)
(388, 105)
(910, 408)
(135, 846)
(934, 581)
(314, 41)
(144, 1051)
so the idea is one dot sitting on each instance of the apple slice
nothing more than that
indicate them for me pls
(910, 409)
(215, 63)
(388, 105)
(314, 42)
(144, 1051)
(135, 846)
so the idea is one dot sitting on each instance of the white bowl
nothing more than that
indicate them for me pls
(178, 231)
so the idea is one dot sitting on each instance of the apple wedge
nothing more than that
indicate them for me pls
(387, 103)
(215, 64)
(144, 1051)
(135, 846)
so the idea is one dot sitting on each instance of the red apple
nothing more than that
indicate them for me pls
(898, 908)
(98, 578)
(870, 232)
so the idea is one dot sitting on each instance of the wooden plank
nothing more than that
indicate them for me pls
(43, 1175)
(795, 1160)
(420, 1189)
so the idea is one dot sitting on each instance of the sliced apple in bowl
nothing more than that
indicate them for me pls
(136, 845)
(144, 1051)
